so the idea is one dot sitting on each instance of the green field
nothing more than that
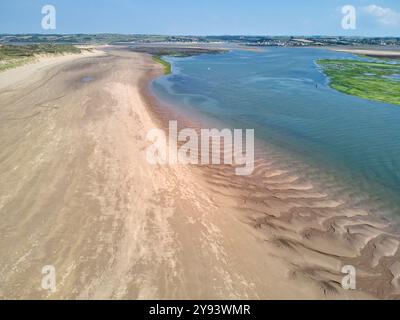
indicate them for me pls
(166, 64)
(12, 56)
(378, 81)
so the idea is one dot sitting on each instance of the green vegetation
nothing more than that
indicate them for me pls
(378, 81)
(112, 38)
(12, 51)
(12, 56)
(166, 64)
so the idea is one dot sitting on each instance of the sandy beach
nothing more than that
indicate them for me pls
(377, 53)
(78, 193)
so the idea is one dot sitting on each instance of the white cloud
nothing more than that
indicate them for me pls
(385, 16)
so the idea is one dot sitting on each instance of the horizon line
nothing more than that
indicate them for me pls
(194, 35)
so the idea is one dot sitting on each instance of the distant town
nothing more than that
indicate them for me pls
(282, 41)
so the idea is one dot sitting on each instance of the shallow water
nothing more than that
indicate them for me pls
(87, 79)
(283, 94)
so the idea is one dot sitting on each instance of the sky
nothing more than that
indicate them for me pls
(203, 17)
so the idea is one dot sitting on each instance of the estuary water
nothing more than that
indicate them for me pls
(334, 138)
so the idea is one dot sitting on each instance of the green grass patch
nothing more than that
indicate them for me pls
(166, 64)
(369, 80)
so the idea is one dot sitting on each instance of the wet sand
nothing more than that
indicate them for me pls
(78, 193)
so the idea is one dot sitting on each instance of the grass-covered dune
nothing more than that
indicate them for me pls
(377, 81)
(159, 51)
(15, 55)
(166, 64)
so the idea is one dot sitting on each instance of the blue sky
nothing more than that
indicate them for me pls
(203, 17)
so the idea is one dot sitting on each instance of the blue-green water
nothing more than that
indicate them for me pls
(284, 96)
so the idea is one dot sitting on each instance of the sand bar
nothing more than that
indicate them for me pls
(78, 193)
